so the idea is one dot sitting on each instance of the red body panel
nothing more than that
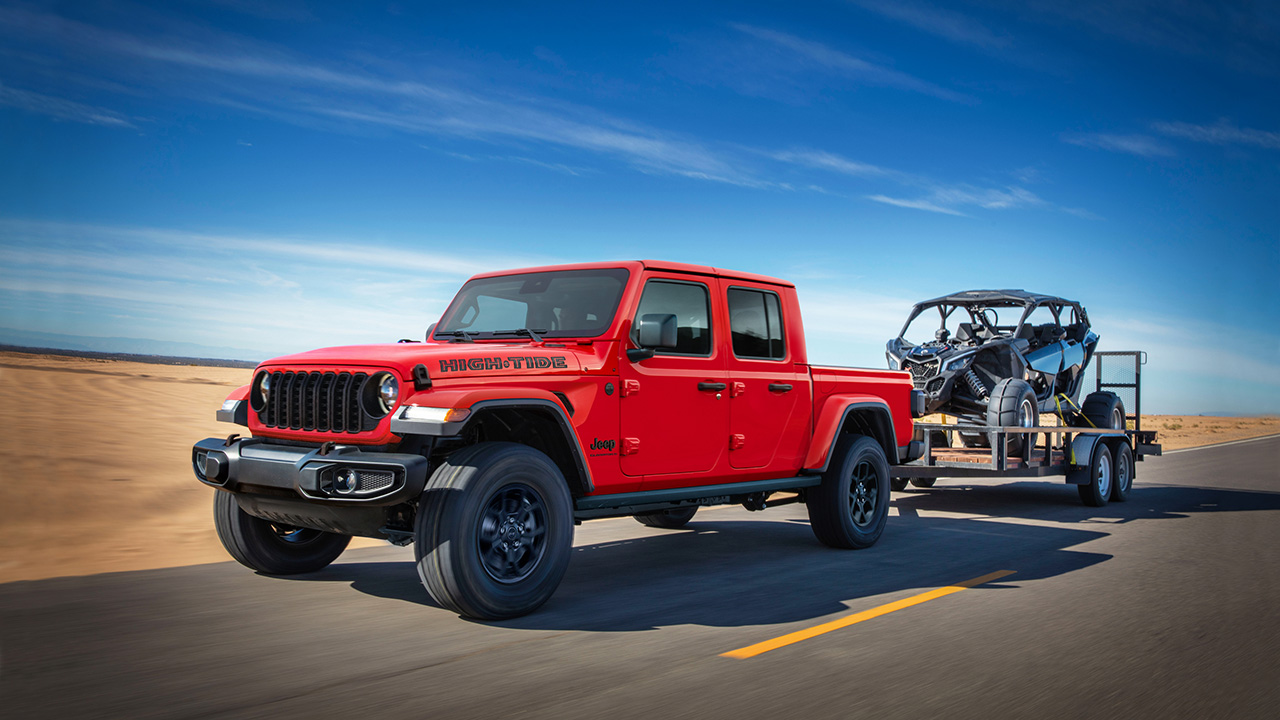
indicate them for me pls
(646, 424)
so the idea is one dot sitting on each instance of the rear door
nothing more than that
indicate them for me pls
(675, 405)
(769, 398)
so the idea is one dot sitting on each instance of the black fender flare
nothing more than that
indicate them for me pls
(583, 486)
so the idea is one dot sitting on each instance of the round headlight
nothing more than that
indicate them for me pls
(260, 393)
(388, 392)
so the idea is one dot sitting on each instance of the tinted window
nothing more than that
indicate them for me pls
(571, 303)
(690, 303)
(755, 320)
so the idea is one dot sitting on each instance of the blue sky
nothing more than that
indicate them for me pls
(272, 177)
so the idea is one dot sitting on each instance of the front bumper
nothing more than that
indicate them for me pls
(334, 475)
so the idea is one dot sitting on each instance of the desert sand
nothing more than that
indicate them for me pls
(98, 476)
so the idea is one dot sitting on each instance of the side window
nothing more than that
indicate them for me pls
(690, 303)
(755, 320)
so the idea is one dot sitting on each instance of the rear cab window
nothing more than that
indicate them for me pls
(755, 323)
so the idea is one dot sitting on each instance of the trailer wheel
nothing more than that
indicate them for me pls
(1104, 410)
(672, 519)
(923, 482)
(1101, 477)
(269, 548)
(494, 531)
(1123, 460)
(898, 484)
(1013, 404)
(851, 506)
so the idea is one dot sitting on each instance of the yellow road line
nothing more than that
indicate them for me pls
(795, 637)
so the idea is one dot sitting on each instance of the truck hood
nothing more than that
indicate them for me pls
(449, 360)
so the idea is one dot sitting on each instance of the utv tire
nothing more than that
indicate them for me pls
(494, 531)
(974, 440)
(851, 506)
(1122, 460)
(1101, 478)
(673, 519)
(269, 548)
(898, 484)
(1013, 404)
(1104, 410)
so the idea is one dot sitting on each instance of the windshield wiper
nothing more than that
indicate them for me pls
(462, 335)
(534, 335)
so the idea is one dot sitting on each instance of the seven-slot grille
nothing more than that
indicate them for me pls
(320, 401)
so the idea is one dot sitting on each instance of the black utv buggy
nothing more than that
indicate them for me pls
(1002, 357)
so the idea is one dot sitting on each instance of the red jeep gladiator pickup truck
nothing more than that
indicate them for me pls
(544, 397)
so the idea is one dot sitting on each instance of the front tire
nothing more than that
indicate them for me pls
(851, 506)
(672, 519)
(1013, 404)
(269, 548)
(494, 531)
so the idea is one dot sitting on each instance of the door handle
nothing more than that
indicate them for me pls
(779, 387)
(712, 386)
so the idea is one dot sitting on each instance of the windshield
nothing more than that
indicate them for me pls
(964, 324)
(568, 303)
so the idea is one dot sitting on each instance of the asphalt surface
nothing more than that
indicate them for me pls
(1164, 606)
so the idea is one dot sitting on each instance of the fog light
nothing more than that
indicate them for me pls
(346, 481)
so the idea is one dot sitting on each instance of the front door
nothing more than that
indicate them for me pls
(675, 405)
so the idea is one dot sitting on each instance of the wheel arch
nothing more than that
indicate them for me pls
(540, 422)
(858, 416)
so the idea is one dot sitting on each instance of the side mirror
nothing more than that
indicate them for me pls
(655, 330)
(431, 329)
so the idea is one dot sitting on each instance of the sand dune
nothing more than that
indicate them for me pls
(97, 475)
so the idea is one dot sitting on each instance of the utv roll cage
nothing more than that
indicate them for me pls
(981, 329)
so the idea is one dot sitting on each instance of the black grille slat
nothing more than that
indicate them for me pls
(338, 400)
(315, 401)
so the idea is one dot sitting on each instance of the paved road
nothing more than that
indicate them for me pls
(1164, 606)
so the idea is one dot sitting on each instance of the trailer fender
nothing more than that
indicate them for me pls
(1081, 457)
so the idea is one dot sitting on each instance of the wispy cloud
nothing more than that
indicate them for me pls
(943, 23)
(241, 73)
(206, 287)
(1137, 144)
(1223, 132)
(916, 204)
(815, 54)
(821, 160)
(60, 108)
(938, 197)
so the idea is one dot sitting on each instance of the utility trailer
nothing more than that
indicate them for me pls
(1099, 461)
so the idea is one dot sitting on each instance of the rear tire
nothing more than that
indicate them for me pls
(1104, 410)
(269, 548)
(1101, 478)
(1013, 404)
(898, 484)
(851, 506)
(672, 519)
(494, 531)
(1122, 459)
(923, 482)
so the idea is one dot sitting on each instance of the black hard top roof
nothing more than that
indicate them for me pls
(987, 297)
